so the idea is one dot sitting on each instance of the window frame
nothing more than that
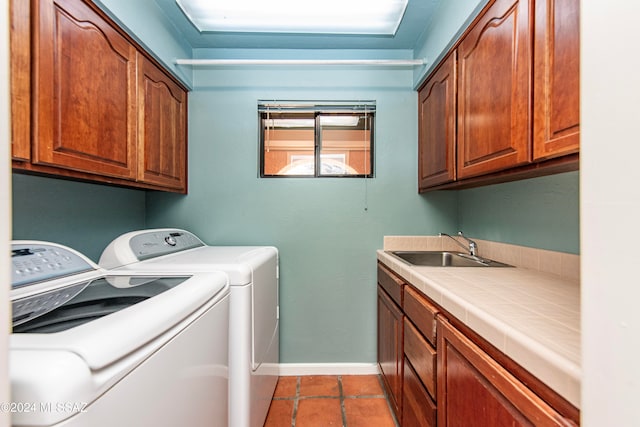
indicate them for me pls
(341, 108)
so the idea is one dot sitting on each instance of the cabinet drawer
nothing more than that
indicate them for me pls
(422, 357)
(421, 312)
(418, 410)
(391, 283)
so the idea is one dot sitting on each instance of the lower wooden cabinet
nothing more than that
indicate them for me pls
(406, 357)
(418, 410)
(390, 349)
(436, 371)
(475, 390)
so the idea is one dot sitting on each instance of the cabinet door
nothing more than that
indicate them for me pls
(85, 82)
(556, 114)
(162, 114)
(437, 126)
(390, 350)
(474, 390)
(494, 68)
(20, 45)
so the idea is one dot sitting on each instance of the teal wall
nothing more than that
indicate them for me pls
(83, 216)
(449, 21)
(327, 230)
(540, 213)
(147, 24)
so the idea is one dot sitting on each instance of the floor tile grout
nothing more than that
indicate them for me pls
(341, 396)
(386, 397)
(295, 402)
(343, 410)
(319, 396)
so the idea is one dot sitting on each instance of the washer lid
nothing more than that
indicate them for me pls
(63, 308)
(105, 340)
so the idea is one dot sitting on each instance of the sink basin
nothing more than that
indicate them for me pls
(444, 259)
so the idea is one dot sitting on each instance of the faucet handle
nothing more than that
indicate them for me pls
(473, 246)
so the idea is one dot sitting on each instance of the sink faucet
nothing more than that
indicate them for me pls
(473, 246)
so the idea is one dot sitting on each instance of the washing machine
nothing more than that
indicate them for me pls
(94, 348)
(254, 314)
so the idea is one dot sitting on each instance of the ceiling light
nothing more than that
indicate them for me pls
(379, 17)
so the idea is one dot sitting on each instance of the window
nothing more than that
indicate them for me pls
(316, 139)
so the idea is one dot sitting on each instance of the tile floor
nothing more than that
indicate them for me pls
(330, 400)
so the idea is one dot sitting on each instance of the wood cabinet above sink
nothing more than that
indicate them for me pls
(504, 102)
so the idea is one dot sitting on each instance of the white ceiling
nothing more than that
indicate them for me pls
(416, 19)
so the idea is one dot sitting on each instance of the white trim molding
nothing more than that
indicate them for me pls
(295, 369)
(315, 62)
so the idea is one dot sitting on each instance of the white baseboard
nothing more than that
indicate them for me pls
(295, 369)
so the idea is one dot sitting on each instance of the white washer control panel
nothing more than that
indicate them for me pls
(32, 263)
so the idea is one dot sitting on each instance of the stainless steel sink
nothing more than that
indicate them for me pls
(444, 259)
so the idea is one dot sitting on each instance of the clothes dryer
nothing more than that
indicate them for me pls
(254, 313)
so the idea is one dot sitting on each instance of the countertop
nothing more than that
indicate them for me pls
(532, 316)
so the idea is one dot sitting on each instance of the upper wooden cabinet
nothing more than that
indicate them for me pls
(100, 108)
(494, 63)
(162, 112)
(516, 103)
(20, 70)
(437, 131)
(556, 78)
(85, 92)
